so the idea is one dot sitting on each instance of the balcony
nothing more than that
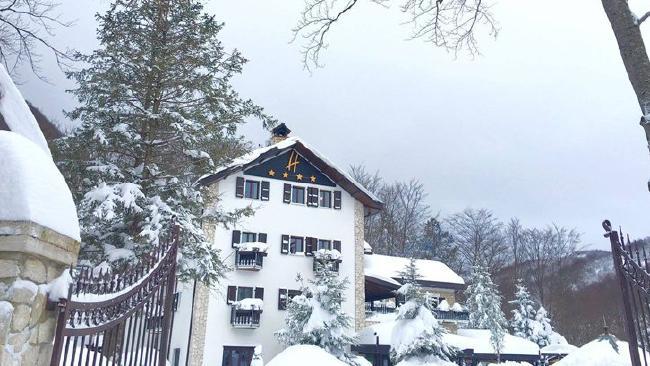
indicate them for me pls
(450, 315)
(250, 256)
(329, 259)
(245, 318)
(249, 261)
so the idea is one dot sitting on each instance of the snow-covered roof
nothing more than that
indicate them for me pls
(367, 248)
(258, 156)
(16, 113)
(302, 354)
(433, 272)
(32, 188)
(562, 349)
(599, 352)
(476, 339)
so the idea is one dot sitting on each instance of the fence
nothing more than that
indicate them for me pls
(121, 319)
(631, 265)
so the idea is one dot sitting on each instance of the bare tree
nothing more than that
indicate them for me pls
(513, 234)
(544, 251)
(373, 183)
(450, 24)
(26, 26)
(480, 240)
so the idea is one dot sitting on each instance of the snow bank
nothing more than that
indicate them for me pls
(562, 349)
(377, 265)
(249, 304)
(253, 247)
(17, 115)
(305, 354)
(32, 188)
(599, 352)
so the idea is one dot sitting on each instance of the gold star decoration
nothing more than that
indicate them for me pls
(299, 176)
(272, 172)
(313, 179)
(285, 175)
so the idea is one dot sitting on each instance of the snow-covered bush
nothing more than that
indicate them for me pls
(484, 305)
(417, 334)
(315, 317)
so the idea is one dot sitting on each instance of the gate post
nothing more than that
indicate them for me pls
(31, 256)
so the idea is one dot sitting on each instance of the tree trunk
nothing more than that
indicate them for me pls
(635, 58)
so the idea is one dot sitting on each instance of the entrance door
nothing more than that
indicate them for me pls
(237, 356)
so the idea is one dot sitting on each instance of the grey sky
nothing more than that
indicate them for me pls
(542, 125)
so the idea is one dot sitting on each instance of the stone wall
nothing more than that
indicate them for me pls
(30, 257)
(359, 276)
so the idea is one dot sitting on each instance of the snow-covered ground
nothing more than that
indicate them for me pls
(604, 351)
(305, 355)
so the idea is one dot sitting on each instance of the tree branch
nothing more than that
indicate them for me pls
(642, 18)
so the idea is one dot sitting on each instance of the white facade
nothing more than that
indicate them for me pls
(275, 218)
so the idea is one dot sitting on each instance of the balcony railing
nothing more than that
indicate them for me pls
(380, 308)
(240, 318)
(449, 315)
(330, 264)
(249, 261)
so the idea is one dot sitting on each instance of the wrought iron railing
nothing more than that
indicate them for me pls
(451, 315)
(632, 271)
(241, 318)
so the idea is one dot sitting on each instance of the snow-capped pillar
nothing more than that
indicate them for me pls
(31, 256)
(359, 276)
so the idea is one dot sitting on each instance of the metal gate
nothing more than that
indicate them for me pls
(632, 270)
(120, 319)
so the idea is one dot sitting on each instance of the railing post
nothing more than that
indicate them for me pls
(616, 246)
(58, 334)
(168, 302)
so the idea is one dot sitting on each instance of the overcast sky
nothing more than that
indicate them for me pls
(542, 126)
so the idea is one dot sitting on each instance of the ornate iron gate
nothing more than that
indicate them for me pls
(632, 271)
(123, 319)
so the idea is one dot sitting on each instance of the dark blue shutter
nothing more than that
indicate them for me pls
(264, 196)
(236, 237)
(286, 197)
(337, 200)
(239, 187)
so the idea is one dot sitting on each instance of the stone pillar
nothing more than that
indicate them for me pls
(30, 257)
(359, 275)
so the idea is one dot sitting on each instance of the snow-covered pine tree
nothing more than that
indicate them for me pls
(154, 98)
(417, 334)
(523, 316)
(316, 317)
(484, 305)
(543, 333)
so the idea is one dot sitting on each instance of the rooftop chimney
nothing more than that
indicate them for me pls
(279, 133)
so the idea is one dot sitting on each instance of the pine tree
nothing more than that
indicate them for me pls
(415, 314)
(523, 316)
(484, 305)
(154, 99)
(543, 333)
(316, 317)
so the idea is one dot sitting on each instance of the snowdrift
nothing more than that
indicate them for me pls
(305, 354)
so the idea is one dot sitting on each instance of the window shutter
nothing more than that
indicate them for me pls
(284, 248)
(337, 245)
(232, 294)
(310, 245)
(261, 237)
(286, 197)
(282, 302)
(337, 200)
(236, 237)
(239, 187)
(259, 293)
(264, 196)
(312, 197)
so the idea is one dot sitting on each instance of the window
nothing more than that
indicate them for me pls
(326, 199)
(248, 237)
(284, 296)
(244, 293)
(298, 195)
(237, 356)
(324, 244)
(297, 244)
(252, 189)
